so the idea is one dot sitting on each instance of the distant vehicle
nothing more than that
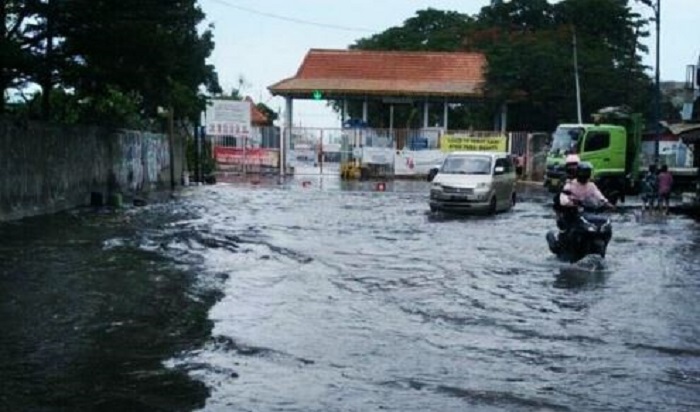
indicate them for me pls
(474, 182)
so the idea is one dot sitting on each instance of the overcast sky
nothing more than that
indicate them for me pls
(264, 41)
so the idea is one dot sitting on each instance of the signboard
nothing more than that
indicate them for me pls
(672, 154)
(228, 118)
(251, 157)
(417, 163)
(453, 143)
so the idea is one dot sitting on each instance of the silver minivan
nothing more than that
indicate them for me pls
(474, 182)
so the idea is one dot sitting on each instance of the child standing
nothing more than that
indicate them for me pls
(665, 185)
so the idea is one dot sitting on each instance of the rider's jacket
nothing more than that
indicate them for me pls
(575, 190)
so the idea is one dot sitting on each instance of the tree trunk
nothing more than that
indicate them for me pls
(3, 42)
(46, 81)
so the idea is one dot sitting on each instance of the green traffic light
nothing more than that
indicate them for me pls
(317, 95)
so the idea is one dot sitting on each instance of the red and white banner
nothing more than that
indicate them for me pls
(251, 157)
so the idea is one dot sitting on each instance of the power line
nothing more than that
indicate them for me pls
(293, 19)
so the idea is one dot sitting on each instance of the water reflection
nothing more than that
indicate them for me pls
(572, 277)
(87, 318)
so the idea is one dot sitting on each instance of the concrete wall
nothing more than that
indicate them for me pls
(46, 168)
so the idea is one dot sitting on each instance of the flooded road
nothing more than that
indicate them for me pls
(317, 297)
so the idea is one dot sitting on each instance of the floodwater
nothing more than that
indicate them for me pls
(320, 296)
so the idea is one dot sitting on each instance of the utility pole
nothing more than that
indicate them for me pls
(657, 91)
(201, 130)
(578, 86)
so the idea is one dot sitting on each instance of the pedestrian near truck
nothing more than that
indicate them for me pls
(665, 184)
(519, 162)
(650, 188)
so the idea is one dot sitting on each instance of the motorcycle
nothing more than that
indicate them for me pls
(584, 230)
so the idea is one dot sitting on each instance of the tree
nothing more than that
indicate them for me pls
(150, 53)
(430, 30)
(151, 48)
(528, 47)
(16, 43)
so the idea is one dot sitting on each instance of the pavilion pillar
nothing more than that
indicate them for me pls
(286, 136)
(364, 111)
(344, 113)
(426, 108)
(391, 121)
(445, 123)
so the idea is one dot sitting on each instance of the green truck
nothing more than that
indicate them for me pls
(612, 144)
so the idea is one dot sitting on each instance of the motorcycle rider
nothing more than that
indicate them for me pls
(581, 188)
(576, 191)
(570, 166)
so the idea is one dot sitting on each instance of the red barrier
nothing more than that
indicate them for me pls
(240, 156)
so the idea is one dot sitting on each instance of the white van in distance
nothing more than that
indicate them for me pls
(474, 182)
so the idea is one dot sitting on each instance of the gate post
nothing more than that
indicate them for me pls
(320, 153)
(286, 137)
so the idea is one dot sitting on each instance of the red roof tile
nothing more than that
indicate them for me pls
(257, 117)
(360, 72)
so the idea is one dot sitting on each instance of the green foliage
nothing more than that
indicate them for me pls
(111, 109)
(208, 163)
(431, 29)
(529, 49)
(126, 55)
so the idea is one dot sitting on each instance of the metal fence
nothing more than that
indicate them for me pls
(321, 151)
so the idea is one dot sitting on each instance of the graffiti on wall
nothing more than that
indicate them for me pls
(140, 159)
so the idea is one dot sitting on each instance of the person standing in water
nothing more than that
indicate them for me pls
(650, 188)
(665, 184)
